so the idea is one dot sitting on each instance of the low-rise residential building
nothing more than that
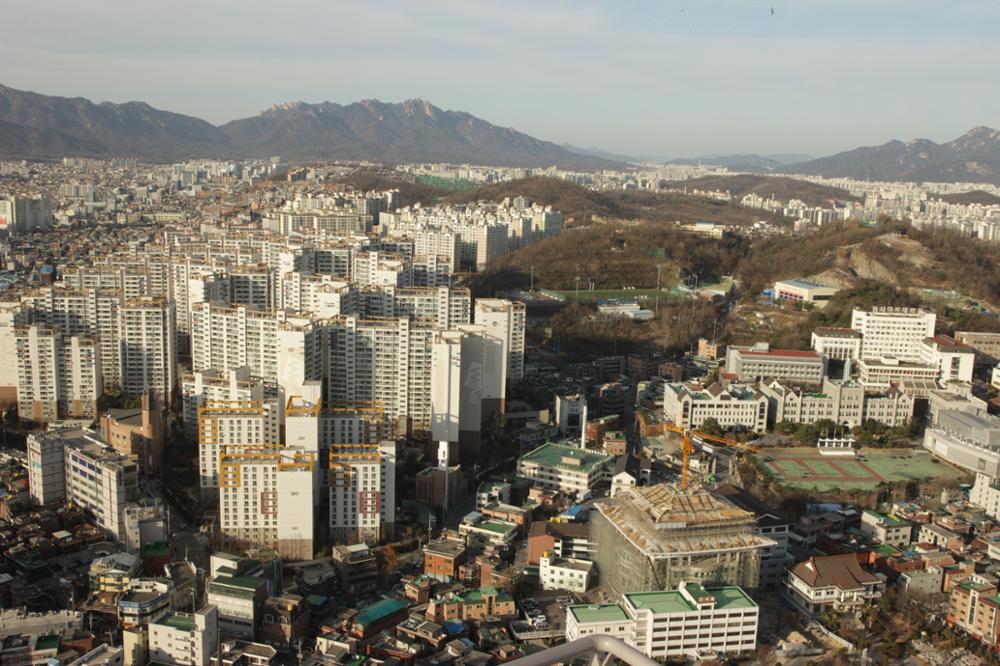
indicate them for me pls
(837, 581)
(244, 653)
(238, 600)
(888, 530)
(974, 607)
(185, 639)
(284, 621)
(564, 539)
(356, 567)
(376, 618)
(685, 622)
(442, 558)
(487, 533)
(564, 573)
(478, 604)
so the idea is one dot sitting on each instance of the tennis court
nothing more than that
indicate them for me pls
(805, 468)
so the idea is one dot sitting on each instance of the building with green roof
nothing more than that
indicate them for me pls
(379, 616)
(673, 623)
(565, 468)
(184, 638)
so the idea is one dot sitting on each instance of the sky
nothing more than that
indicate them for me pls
(660, 78)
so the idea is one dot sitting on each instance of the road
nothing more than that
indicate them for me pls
(186, 543)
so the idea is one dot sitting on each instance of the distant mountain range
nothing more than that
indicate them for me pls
(972, 157)
(34, 126)
(747, 162)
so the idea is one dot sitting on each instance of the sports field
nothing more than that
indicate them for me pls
(806, 468)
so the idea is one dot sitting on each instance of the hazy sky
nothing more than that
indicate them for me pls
(658, 77)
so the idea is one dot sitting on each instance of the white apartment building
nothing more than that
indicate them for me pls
(216, 386)
(837, 343)
(228, 425)
(688, 622)
(250, 285)
(437, 243)
(92, 313)
(441, 308)
(893, 332)
(384, 361)
(185, 639)
(689, 405)
(559, 573)
(25, 213)
(56, 376)
(362, 480)
(324, 223)
(191, 282)
(985, 493)
(283, 350)
(379, 269)
(320, 294)
(11, 315)
(505, 320)
(431, 270)
(467, 373)
(147, 329)
(225, 337)
(267, 498)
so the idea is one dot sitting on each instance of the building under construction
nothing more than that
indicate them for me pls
(654, 537)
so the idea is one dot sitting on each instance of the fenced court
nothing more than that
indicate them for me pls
(806, 468)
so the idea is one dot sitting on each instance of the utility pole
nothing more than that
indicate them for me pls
(532, 288)
(658, 267)
(577, 287)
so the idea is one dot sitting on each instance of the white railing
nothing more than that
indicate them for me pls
(602, 648)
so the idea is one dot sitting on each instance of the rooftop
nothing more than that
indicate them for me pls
(661, 521)
(604, 613)
(674, 601)
(565, 457)
(378, 611)
(802, 284)
(181, 621)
